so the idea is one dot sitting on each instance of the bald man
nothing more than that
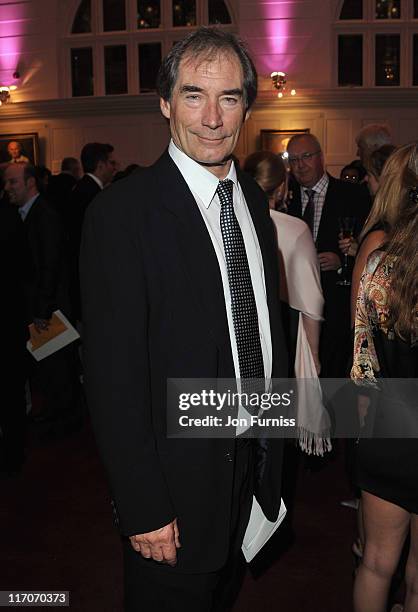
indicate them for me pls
(14, 149)
(328, 199)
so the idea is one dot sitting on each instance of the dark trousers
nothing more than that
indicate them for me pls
(150, 586)
(13, 410)
(56, 379)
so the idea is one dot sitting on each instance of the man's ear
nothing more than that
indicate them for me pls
(99, 167)
(165, 108)
(247, 114)
(31, 182)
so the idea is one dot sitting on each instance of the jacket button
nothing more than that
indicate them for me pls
(228, 457)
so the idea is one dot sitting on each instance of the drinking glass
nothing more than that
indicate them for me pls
(346, 226)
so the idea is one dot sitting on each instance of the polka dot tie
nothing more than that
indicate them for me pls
(244, 309)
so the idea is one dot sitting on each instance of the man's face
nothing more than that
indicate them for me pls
(14, 150)
(207, 110)
(106, 170)
(15, 185)
(351, 176)
(306, 161)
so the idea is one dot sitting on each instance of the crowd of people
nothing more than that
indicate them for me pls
(180, 270)
(41, 232)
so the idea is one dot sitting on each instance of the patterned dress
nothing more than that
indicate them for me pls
(387, 462)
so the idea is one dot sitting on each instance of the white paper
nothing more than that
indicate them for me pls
(58, 342)
(259, 530)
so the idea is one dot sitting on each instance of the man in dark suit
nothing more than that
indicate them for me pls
(61, 185)
(99, 166)
(46, 290)
(161, 300)
(13, 267)
(321, 200)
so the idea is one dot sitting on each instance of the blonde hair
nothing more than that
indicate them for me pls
(402, 250)
(267, 169)
(391, 193)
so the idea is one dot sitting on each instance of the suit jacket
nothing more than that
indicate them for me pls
(47, 287)
(14, 256)
(342, 199)
(154, 308)
(59, 193)
(81, 196)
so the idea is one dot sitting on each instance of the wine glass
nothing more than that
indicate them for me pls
(346, 226)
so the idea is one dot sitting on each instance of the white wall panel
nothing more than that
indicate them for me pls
(338, 137)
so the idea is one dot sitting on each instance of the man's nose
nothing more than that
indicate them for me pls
(212, 116)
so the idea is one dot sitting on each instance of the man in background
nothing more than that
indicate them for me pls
(13, 269)
(61, 185)
(320, 200)
(99, 167)
(46, 290)
(370, 138)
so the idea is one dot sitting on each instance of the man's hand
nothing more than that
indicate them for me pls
(329, 261)
(41, 324)
(159, 545)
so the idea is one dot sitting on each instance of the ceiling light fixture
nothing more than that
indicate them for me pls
(279, 80)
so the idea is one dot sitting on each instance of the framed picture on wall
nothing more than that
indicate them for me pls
(276, 140)
(19, 147)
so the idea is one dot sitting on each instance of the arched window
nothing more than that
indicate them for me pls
(82, 19)
(352, 9)
(377, 43)
(218, 12)
(115, 46)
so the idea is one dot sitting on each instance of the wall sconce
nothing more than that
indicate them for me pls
(5, 93)
(279, 80)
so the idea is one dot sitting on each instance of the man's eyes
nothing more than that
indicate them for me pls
(230, 100)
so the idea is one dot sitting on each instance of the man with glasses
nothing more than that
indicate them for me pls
(320, 199)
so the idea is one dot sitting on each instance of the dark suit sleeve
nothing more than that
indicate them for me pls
(115, 319)
(50, 244)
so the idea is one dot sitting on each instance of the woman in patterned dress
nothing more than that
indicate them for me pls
(386, 334)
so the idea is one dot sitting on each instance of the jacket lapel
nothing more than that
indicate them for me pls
(199, 257)
(31, 213)
(327, 214)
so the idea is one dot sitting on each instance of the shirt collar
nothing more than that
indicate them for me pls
(24, 210)
(95, 179)
(199, 180)
(320, 185)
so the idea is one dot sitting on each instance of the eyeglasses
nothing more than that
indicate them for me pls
(305, 157)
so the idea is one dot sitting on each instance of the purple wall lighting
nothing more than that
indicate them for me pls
(266, 26)
(13, 26)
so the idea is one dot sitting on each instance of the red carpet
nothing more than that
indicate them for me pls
(56, 534)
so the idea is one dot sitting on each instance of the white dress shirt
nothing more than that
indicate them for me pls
(24, 210)
(95, 179)
(203, 185)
